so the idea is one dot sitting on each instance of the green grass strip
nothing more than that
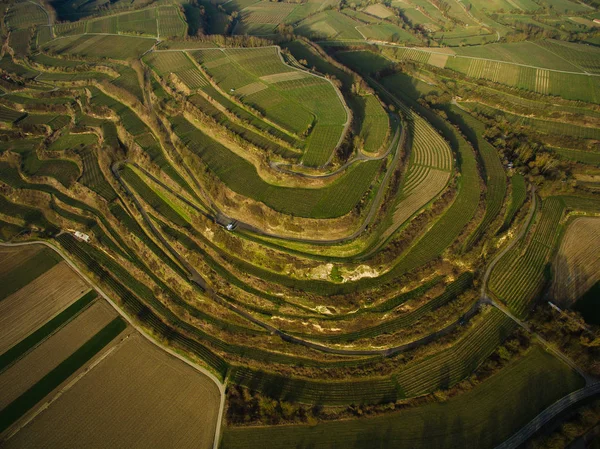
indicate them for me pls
(62, 372)
(29, 342)
(31, 269)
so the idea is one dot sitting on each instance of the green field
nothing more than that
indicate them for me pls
(455, 423)
(239, 175)
(295, 100)
(520, 274)
(98, 46)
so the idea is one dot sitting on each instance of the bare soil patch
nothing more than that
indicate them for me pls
(30, 369)
(137, 397)
(11, 258)
(577, 264)
(30, 307)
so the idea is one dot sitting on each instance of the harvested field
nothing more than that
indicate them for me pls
(577, 264)
(33, 305)
(40, 361)
(438, 60)
(121, 394)
(18, 276)
(11, 258)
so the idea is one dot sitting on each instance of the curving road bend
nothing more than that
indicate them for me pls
(198, 280)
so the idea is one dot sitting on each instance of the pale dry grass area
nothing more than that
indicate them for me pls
(137, 397)
(48, 355)
(30, 307)
(438, 60)
(378, 10)
(577, 263)
(11, 258)
(284, 76)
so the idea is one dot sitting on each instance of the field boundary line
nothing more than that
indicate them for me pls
(66, 388)
(390, 44)
(201, 369)
(559, 56)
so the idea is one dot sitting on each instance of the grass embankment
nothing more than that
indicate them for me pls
(482, 417)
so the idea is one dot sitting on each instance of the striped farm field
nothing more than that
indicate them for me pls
(69, 29)
(375, 124)
(120, 394)
(439, 371)
(32, 305)
(577, 262)
(19, 42)
(24, 15)
(572, 86)
(42, 359)
(428, 172)
(494, 175)
(100, 46)
(517, 198)
(104, 25)
(300, 107)
(437, 424)
(92, 176)
(166, 62)
(170, 24)
(9, 115)
(142, 22)
(519, 275)
(538, 125)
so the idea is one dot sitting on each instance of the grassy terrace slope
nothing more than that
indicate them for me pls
(304, 104)
(240, 175)
(511, 397)
(361, 220)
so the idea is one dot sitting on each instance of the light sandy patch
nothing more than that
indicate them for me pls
(378, 10)
(137, 397)
(584, 21)
(438, 60)
(48, 355)
(446, 50)
(251, 88)
(11, 258)
(577, 263)
(30, 307)
(321, 271)
(362, 271)
(284, 76)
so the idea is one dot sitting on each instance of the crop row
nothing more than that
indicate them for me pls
(493, 172)
(520, 274)
(337, 199)
(452, 292)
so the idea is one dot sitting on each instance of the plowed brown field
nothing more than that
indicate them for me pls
(137, 397)
(30, 307)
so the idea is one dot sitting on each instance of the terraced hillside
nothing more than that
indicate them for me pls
(317, 220)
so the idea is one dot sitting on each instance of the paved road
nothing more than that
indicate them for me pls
(548, 414)
(101, 292)
(217, 214)
(197, 279)
(592, 386)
